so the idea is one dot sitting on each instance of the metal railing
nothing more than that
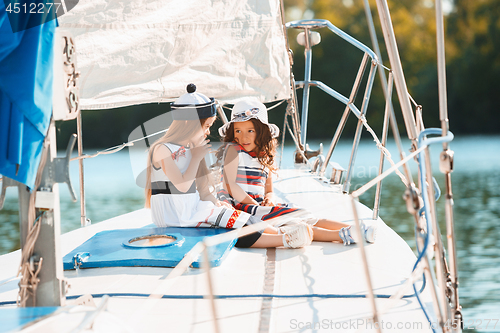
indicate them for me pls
(445, 295)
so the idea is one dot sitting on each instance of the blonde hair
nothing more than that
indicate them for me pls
(179, 130)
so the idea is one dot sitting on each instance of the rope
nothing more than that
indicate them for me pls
(297, 144)
(384, 150)
(115, 149)
(29, 277)
(9, 280)
(290, 111)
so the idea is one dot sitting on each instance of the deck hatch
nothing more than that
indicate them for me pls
(149, 247)
(152, 241)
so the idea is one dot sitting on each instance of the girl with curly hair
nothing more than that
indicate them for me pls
(248, 157)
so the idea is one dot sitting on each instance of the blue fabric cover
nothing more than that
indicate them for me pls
(108, 249)
(26, 60)
(15, 319)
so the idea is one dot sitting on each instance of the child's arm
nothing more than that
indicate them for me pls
(205, 195)
(230, 172)
(163, 156)
(269, 199)
(204, 191)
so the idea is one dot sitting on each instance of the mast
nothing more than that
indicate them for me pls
(399, 78)
(446, 167)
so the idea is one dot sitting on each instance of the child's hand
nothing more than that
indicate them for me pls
(268, 201)
(223, 204)
(199, 152)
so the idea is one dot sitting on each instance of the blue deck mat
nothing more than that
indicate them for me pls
(14, 319)
(109, 249)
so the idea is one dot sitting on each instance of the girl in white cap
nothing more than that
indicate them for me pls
(248, 161)
(177, 187)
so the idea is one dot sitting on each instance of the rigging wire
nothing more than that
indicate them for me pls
(235, 296)
(268, 108)
(115, 149)
(383, 149)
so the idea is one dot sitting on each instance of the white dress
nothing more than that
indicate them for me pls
(172, 208)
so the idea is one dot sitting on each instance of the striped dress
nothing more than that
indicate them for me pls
(252, 177)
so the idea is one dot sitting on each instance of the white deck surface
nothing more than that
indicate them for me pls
(322, 268)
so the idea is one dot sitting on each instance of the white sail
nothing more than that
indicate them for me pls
(136, 52)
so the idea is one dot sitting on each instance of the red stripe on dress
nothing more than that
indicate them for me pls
(206, 220)
(249, 177)
(278, 212)
(233, 219)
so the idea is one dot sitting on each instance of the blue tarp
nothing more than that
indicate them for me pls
(25, 96)
(15, 319)
(111, 248)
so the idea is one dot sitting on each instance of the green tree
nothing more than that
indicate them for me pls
(474, 66)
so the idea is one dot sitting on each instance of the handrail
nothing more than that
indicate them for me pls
(420, 151)
(349, 102)
(349, 105)
(318, 23)
(307, 25)
(385, 129)
(357, 135)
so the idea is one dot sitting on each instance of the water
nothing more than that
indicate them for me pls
(111, 190)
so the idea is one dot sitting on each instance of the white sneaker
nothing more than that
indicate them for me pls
(297, 235)
(346, 236)
(369, 231)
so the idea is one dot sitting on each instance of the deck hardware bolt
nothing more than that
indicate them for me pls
(412, 200)
(446, 161)
(34, 261)
(80, 258)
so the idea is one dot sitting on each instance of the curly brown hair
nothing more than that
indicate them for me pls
(265, 144)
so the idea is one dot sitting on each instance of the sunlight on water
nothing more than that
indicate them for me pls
(111, 190)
